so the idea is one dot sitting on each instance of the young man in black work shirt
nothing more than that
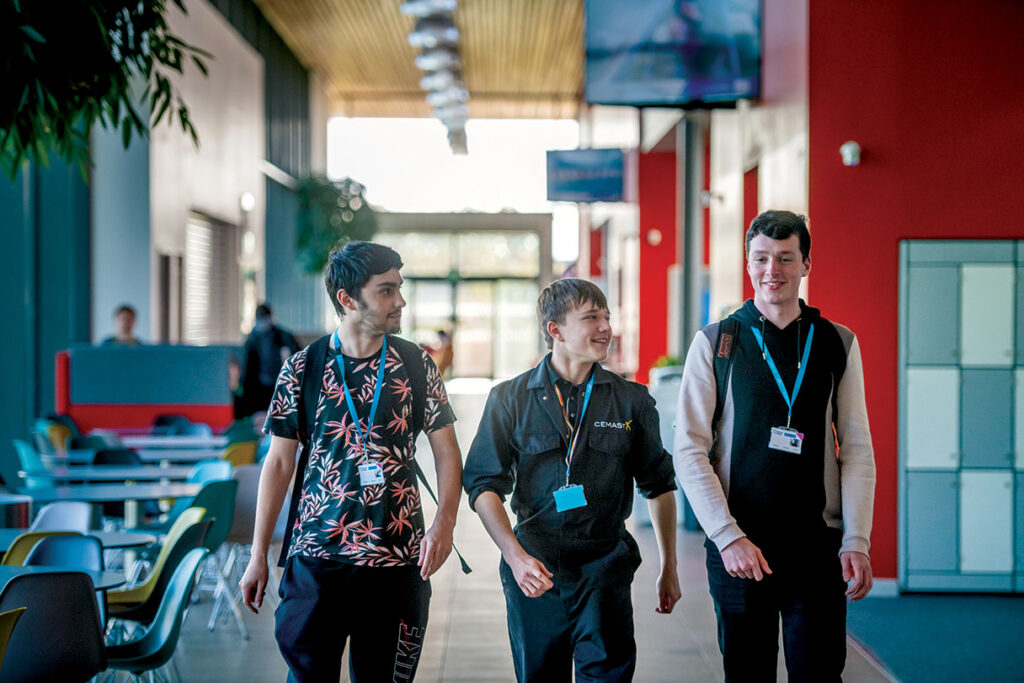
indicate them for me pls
(566, 440)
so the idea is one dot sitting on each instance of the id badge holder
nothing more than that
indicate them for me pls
(371, 474)
(570, 497)
(786, 440)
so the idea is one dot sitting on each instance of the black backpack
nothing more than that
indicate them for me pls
(309, 396)
(725, 345)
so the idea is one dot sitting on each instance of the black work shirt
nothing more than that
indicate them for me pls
(520, 449)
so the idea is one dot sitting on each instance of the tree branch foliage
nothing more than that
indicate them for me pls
(330, 215)
(72, 64)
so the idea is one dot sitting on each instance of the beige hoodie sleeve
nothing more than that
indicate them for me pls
(706, 485)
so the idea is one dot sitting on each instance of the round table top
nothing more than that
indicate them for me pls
(101, 581)
(108, 539)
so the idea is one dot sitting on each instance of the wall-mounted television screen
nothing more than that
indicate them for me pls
(684, 53)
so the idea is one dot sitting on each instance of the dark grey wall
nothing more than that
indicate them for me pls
(44, 276)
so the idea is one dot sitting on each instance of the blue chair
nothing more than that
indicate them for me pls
(154, 649)
(31, 462)
(64, 515)
(163, 424)
(58, 637)
(78, 552)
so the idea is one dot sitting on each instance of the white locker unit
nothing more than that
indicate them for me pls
(961, 397)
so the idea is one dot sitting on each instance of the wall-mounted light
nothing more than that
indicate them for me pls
(247, 202)
(850, 152)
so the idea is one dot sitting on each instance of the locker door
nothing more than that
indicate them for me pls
(933, 418)
(932, 314)
(986, 314)
(986, 521)
(986, 406)
(931, 521)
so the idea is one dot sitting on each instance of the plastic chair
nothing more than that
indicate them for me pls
(22, 545)
(139, 593)
(58, 637)
(67, 421)
(63, 515)
(8, 620)
(241, 430)
(78, 552)
(162, 424)
(238, 544)
(156, 646)
(191, 429)
(117, 456)
(30, 462)
(202, 473)
(241, 453)
(141, 602)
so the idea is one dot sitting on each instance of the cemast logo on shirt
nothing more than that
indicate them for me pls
(627, 425)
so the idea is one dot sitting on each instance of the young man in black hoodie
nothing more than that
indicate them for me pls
(774, 453)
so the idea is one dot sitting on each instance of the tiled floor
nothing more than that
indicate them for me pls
(466, 637)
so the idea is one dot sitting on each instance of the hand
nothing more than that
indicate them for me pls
(743, 560)
(856, 566)
(435, 548)
(668, 590)
(533, 577)
(254, 583)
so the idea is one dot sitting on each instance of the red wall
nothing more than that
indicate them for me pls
(933, 93)
(656, 197)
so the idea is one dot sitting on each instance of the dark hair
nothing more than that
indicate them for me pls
(125, 308)
(263, 311)
(780, 225)
(352, 266)
(562, 296)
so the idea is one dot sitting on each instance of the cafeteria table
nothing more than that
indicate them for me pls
(175, 442)
(131, 494)
(101, 473)
(178, 455)
(110, 540)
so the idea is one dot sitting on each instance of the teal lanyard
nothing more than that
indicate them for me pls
(363, 439)
(574, 433)
(790, 399)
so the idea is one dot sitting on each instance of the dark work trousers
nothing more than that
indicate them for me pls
(810, 597)
(381, 610)
(587, 617)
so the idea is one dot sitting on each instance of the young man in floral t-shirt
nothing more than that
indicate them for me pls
(359, 559)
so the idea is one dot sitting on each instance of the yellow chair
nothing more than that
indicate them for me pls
(7, 621)
(59, 435)
(140, 593)
(241, 453)
(23, 544)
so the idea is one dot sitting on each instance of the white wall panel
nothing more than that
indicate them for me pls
(933, 418)
(986, 315)
(986, 521)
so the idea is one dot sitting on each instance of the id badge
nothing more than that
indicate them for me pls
(371, 474)
(569, 498)
(786, 440)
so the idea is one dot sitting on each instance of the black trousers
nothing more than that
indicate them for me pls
(809, 594)
(586, 619)
(381, 610)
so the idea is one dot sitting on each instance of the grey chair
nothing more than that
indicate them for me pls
(64, 515)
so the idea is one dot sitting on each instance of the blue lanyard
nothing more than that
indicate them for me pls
(574, 434)
(348, 395)
(790, 400)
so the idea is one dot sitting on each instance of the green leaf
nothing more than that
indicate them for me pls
(32, 33)
(200, 65)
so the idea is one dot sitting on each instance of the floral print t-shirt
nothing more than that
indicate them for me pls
(379, 525)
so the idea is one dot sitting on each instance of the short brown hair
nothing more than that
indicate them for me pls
(562, 296)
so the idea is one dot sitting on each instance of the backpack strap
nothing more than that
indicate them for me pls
(725, 346)
(309, 396)
(412, 359)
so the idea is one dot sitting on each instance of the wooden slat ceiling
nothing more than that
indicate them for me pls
(521, 58)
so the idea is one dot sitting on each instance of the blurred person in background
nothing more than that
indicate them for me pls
(266, 349)
(124, 324)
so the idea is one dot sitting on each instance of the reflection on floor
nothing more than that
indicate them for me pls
(466, 636)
